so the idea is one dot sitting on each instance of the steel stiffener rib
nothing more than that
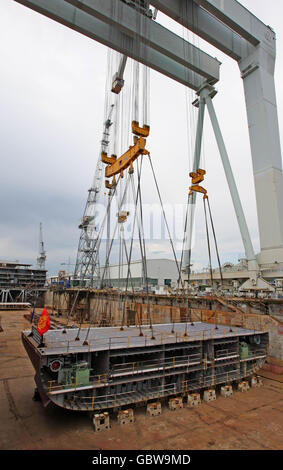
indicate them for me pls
(76, 19)
(153, 34)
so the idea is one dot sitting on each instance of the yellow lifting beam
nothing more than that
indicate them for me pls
(116, 165)
(198, 177)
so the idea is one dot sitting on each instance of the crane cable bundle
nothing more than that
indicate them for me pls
(129, 102)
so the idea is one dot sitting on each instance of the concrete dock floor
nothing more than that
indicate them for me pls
(252, 420)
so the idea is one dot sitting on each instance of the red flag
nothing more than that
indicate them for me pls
(44, 322)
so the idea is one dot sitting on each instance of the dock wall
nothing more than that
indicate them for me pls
(113, 309)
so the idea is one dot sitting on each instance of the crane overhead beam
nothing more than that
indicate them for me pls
(132, 23)
(201, 22)
(238, 18)
(80, 21)
(228, 26)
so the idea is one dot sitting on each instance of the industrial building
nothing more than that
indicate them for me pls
(160, 273)
(235, 278)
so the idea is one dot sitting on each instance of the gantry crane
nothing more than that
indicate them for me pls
(235, 31)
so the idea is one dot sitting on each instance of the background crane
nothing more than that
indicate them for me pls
(87, 263)
(42, 253)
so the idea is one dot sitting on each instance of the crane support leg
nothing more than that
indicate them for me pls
(192, 198)
(258, 77)
(252, 263)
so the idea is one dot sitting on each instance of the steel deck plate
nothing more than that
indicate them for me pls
(99, 339)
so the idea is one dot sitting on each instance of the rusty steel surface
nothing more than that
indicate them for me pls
(253, 420)
(172, 296)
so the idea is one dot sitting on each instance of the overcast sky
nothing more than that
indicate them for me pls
(51, 118)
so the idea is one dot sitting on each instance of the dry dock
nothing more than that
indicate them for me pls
(252, 420)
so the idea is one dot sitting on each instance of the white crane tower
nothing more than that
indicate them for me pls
(87, 263)
(42, 253)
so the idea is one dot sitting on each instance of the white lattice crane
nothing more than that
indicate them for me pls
(87, 263)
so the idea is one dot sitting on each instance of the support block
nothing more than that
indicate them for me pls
(126, 416)
(209, 395)
(243, 386)
(153, 409)
(101, 422)
(226, 391)
(193, 400)
(176, 403)
(256, 381)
